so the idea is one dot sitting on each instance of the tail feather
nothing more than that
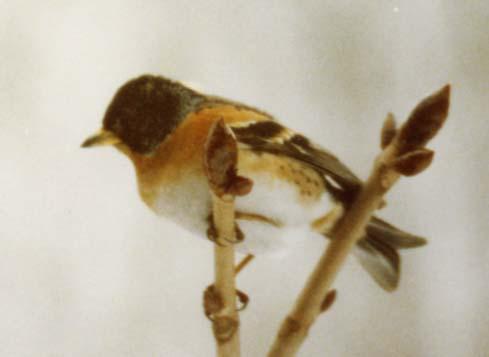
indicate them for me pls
(377, 251)
(392, 235)
(380, 260)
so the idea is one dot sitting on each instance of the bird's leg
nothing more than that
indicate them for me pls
(325, 224)
(212, 300)
(243, 297)
(212, 232)
(243, 263)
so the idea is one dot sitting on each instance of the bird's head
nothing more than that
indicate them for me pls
(143, 112)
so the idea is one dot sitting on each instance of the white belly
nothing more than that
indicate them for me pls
(188, 203)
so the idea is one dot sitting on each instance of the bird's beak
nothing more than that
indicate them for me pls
(102, 138)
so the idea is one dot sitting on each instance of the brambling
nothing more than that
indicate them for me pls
(162, 126)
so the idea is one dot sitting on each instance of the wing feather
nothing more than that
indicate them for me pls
(272, 137)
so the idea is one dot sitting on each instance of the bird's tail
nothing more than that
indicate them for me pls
(377, 251)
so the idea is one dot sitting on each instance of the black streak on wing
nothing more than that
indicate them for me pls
(262, 129)
(259, 137)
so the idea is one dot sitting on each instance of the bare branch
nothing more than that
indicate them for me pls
(404, 154)
(220, 299)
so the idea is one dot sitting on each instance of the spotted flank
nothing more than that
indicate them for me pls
(271, 137)
(312, 170)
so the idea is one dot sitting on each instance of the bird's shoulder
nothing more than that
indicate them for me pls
(260, 132)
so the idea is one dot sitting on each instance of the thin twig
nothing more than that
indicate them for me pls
(403, 154)
(226, 320)
(220, 303)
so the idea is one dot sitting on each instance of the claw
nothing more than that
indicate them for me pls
(244, 299)
(212, 233)
(239, 234)
(213, 302)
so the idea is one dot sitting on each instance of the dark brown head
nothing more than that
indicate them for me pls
(143, 112)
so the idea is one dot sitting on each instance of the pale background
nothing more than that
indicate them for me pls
(87, 270)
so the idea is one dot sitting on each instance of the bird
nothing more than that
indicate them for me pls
(162, 126)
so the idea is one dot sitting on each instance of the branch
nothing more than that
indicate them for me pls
(404, 153)
(220, 161)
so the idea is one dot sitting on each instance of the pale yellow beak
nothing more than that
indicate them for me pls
(102, 138)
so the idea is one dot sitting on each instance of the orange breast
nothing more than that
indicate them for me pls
(182, 152)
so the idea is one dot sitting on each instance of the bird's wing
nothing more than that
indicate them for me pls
(272, 137)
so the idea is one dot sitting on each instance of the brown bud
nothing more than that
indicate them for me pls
(328, 300)
(425, 121)
(240, 186)
(224, 328)
(212, 302)
(220, 158)
(290, 327)
(414, 162)
(220, 161)
(388, 131)
(244, 299)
